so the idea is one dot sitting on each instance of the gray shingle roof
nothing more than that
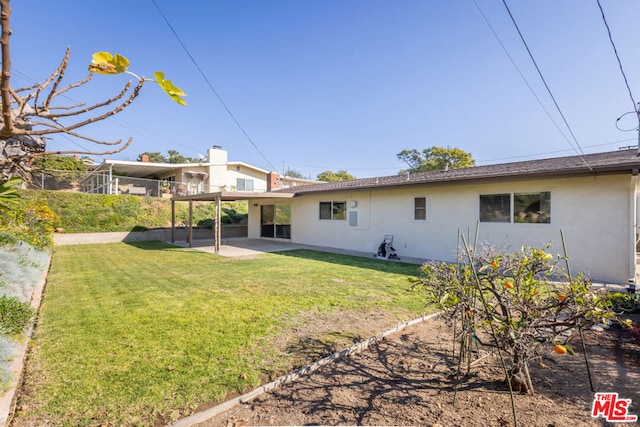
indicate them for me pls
(622, 161)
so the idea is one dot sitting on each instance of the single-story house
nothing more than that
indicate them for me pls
(213, 173)
(592, 198)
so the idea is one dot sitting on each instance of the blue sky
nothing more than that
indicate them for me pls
(348, 84)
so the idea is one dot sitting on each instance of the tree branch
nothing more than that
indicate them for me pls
(60, 73)
(90, 153)
(5, 13)
(115, 111)
(87, 109)
(72, 86)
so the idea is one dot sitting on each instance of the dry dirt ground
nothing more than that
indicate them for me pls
(406, 379)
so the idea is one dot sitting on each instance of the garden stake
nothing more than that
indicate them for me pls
(455, 388)
(469, 353)
(584, 348)
(564, 248)
(461, 355)
(453, 341)
(586, 361)
(475, 239)
(529, 382)
(493, 333)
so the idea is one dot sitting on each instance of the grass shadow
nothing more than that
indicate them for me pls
(353, 261)
(157, 245)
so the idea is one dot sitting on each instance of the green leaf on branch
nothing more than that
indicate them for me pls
(106, 63)
(170, 89)
(9, 192)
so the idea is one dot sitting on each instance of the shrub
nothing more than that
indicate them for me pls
(522, 300)
(80, 212)
(626, 303)
(8, 239)
(30, 221)
(14, 315)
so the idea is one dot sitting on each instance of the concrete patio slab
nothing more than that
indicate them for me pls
(242, 247)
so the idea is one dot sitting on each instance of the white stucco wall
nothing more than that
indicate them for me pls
(595, 214)
(238, 171)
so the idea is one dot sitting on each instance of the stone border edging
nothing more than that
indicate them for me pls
(306, 370)
(8, 400)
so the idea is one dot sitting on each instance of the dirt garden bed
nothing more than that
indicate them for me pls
(406, 379)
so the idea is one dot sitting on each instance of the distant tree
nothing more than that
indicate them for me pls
(330, 176)
(154, 157)
(175, 157)
(293, 173)
(434, 159)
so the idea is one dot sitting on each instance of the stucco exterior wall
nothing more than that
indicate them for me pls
(238, 171)
(595, 214)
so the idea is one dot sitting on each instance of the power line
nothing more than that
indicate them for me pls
(294, 165)
(537, 155)
(580, 153)
(210, 85)
(615, 51)
(524, 79)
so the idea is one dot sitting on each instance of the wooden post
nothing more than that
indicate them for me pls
(218, 225)
(190, 235)
(173, 221)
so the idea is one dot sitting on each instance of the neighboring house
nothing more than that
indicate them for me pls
(212, 174)
(593, 199)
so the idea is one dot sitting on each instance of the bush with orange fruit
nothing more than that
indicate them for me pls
(519, 301)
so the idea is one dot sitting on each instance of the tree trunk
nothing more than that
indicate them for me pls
(518, 376)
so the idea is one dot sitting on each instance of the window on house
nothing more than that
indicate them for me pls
(244, 184)
(333, 210)
(495, 208)
(532, 207)
(325, 210)
(420, 208)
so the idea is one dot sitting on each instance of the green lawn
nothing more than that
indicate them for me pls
(135, 334)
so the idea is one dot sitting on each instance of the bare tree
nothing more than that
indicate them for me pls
(29, 114)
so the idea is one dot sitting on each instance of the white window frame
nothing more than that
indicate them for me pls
(244, 182)
(425, 207)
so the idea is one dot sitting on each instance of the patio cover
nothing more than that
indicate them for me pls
(218, 197)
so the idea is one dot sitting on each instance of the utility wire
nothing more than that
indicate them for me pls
(537, 155)
(580, 152)
(210, 85)
(293, 165)
(524, 79)
(615, 51)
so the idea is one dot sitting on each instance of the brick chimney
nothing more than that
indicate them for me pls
(273, 181)
(145, 158)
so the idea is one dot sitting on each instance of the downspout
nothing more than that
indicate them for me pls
(633, 210)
